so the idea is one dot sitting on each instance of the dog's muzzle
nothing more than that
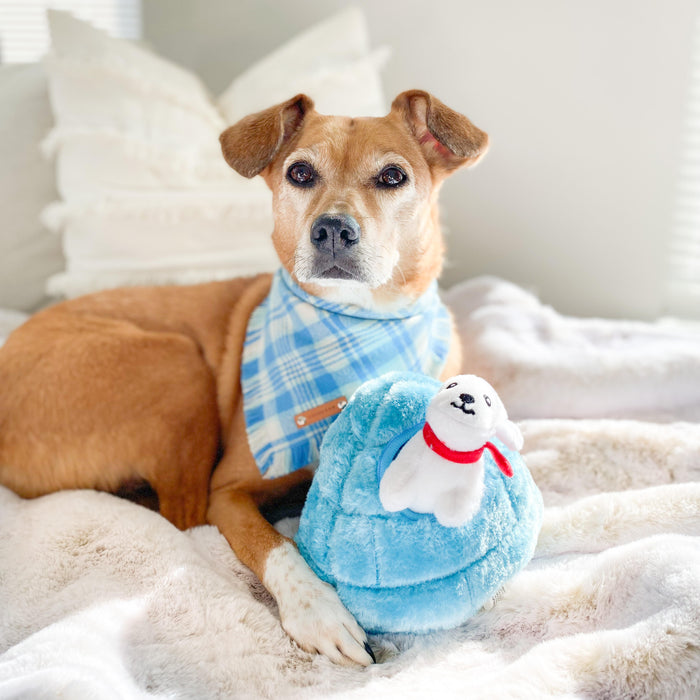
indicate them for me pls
(335, 238)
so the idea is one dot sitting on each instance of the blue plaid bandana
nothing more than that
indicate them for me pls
(303, 358)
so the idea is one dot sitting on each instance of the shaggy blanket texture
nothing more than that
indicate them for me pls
(100, 598)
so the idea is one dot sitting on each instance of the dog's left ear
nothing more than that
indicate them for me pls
(448, 139)
(251, 144)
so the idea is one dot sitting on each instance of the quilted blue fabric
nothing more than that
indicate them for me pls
(404, 572)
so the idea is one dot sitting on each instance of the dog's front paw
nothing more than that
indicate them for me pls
(311, 612)
(319, 622)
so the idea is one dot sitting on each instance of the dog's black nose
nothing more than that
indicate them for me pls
(467, 398)
(332, 233)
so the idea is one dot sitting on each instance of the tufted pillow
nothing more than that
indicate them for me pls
(29, 252)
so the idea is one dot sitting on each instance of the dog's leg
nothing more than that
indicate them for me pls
(92, 402)
(310, 610)
(184, 501)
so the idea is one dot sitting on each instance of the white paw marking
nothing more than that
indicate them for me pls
(310, 610)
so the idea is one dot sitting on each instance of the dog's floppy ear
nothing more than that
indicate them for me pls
(251, 144)
(448, 139)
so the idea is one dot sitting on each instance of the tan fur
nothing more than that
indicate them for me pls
(144, 383)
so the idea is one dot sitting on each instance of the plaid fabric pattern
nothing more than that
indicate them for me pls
(301, 351)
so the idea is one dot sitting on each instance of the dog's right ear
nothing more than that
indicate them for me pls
(448, 139)
(251, 144)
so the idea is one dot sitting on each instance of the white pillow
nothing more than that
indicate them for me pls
(342, 76)
(75, 40)
(29, 253)
(146, 194)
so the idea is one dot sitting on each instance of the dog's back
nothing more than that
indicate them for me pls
(116, 387)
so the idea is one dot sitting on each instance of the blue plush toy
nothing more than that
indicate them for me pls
(421, 507)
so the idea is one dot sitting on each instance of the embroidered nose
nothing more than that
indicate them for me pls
(333, 233)
(467, 398)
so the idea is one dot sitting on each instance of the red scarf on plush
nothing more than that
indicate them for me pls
(440, 448)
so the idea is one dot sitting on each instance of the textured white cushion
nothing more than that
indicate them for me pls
(78, 41)
(146, 196)
(331, 62)
(29, 253)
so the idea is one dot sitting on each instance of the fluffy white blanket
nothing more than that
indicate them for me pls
(545, 365)
(100, 598)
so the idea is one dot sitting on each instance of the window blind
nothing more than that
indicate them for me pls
(24, 31)
(683, 288)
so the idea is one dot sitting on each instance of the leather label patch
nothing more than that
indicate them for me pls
(325, 410)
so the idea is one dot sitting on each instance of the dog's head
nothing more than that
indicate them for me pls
(355, 200)
(467, 412)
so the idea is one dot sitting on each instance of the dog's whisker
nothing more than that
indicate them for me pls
(400, 271)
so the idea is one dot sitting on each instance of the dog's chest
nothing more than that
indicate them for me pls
(304, 357)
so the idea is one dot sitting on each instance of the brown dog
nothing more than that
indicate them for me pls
(144, 384)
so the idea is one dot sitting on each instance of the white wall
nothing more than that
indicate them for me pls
(583, 99)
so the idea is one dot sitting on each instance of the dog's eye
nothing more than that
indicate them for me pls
(301, 174)
(451, 386)
(487, 399)
(391, 176)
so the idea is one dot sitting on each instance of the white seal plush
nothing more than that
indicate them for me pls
(440, 470)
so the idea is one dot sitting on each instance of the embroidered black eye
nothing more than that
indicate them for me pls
(301, 174)
(451, 386)
(391, 176)
(487, 399)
